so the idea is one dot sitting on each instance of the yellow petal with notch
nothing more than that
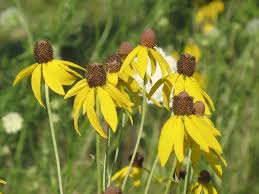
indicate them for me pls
(166, 143)
(91, 114)
(76, 88)
(27, 71)
(108, 108)
(36, 83)
(130, 58)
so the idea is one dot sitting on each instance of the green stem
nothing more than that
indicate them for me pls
(187, 172)
(168, 186)
(117, 148)
(144, 103)
(106, 157)
(151, 175)
(98, 154)
(54, 139)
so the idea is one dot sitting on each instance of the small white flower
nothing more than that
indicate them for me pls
(157, 75)
(12, 122)
(55, 118)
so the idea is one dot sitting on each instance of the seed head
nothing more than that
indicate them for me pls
(43, 51)
(204, 177)
(183, 104)
(113, 63)
(186, 65)
(112, 190)
(148, 38)
(181, 174)
(96, 75)
(124, 49)
(199, 108)
(138, 160)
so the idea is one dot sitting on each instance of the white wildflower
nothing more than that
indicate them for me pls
(12, 122)
(157, 75)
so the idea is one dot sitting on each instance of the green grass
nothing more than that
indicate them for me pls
(84, 31)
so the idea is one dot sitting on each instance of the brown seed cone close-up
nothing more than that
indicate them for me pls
(43, 51)
(186, 65)
(183, 104)
(96, 75)
(148, 38)
(113, 63)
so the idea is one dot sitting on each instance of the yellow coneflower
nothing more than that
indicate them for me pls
(146, 50)
(56, 73)
(203, 185)
(2, 182)
(97, 88)
(187, 125)
(124, 80)
(183, 80)
(135, 173)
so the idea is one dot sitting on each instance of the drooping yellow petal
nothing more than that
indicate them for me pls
(27, 71)
(171, 79)
(196, 153)
(68, 69)
(208, 100)
(70, 64)
(120, 174)
(205, 189)
(166, 95)
(108, 108)
(2, 182)
(130, 58)
(112, 78)
(210, 126)
(64, 77)
(195, 134)
(214, 162)
(179, 85)
(76, 88)
(51, 79)
(118, 96)
(161, 64)
(36, 83)
(130, 83)
(82, 97)
(201, 127)
(212, 190)
(163, 61)
(178, 139)
(155, 87)
(194, 90)
(165, 145)
(153, 63)
(91, 114)
(142, 62)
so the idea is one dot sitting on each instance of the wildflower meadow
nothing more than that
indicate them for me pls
(129, 97)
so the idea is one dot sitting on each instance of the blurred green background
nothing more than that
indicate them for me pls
(83, 31)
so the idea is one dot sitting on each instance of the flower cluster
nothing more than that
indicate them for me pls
(207, 15)
(117, 83)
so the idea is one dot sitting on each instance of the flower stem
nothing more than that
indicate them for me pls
(144, 103)
(187, 171)
(54, 139)
(151, 175)
(98, 156)
(106, 160)
(168, 186)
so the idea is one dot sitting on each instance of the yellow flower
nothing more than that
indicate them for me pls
(183, 80)
(203, 185)
(135, 174)
(97, 89)
(187, 125)
(146, 50)
(56, 73)
(209, 12)
(193, 49)
(207, 28)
